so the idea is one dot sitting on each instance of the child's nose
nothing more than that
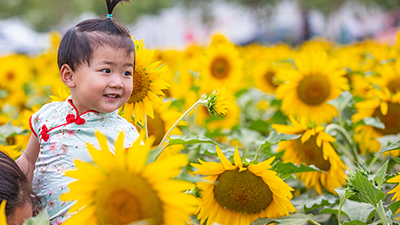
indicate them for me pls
(116, 82)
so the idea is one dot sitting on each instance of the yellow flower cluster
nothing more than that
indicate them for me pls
(253, 90)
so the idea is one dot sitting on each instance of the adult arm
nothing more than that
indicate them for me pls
(26, 161)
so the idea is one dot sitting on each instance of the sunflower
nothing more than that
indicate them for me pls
(122, 189)
(383, 105)
(395, 190)
(238, 194)
(11, 150)
(264, 76)
(306, 90)
(147, 85)
(227, 117)
(313, 148)
(15, 72)
(3, 218)
(63, 94)
(389, 76)
(222, 66)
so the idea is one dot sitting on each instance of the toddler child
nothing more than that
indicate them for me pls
(16, 190)
(96, 62)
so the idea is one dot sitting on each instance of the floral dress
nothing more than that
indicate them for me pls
(62, 133)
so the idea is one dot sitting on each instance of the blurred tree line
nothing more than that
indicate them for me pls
(46, 15)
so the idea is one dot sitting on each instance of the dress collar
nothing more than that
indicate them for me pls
(70, 103)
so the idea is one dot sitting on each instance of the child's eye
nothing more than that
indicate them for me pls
(127, 73)
(106, 71)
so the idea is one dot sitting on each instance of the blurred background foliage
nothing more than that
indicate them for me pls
(47, 15)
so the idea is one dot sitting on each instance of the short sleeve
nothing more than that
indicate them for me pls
(34, 122)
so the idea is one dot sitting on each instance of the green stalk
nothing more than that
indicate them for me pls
(313, 222)
(381, 213)
(159, 149)
(348, 139)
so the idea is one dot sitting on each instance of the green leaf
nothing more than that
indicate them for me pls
(368, 192)
(285, 169)
(353, 210)
(333, 211)
(354, 222)
(189, 139)
(375, 122)
(379, 177)
(397, 160)
(389, 148)
(296, 218)
(319, 202)
(394, 207)
(275, 138)
(41, 219)
(259, 125)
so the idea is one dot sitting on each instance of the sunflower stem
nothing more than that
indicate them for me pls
(159, 149)
(313, 222)
(381, 213)
(145, 128)
(349, 140)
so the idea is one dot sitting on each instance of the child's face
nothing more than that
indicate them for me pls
(106, 84)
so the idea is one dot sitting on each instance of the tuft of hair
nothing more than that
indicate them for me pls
(112, 3)
(78, 43)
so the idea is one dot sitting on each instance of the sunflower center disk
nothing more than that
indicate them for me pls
(10, 76)
(156, 126)
(269, 78)
(242, 191)
(141, 85)
(126, 198)
(311, 154)
(220, 68)
(391, 120)
(313, 89)
(394, 86)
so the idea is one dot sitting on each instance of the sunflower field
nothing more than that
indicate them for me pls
(232, 135)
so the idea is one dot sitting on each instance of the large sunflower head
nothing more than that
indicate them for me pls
(147, 84)
(313, 148)
(381, 104)
(389, 76)
(308, 88)
(122, 189)
(222, 66)
(236, 194)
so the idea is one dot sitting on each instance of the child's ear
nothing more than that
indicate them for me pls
(67, 76)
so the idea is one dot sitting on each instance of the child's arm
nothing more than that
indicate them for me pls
(26, 161)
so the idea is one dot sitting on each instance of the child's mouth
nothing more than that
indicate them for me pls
(112, 96)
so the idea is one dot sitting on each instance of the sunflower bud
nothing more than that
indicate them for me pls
(216, 103)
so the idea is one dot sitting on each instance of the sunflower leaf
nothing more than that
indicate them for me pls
(275, 138)
(368, 192)
(389, 148)
(354, 222)
(286, 169)
(375, 122)
(397, 160)
(379, 177)
(189, 139)
(353, 210)
(297, 218)
(394, 207)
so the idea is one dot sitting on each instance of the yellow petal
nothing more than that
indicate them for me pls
(384, 108)
(225, 162)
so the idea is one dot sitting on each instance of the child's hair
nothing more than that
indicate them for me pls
(79, 42)
(14, 186)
